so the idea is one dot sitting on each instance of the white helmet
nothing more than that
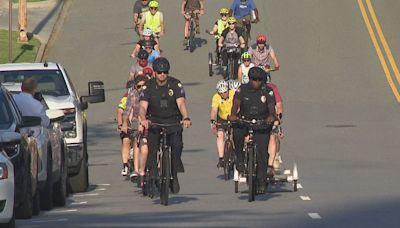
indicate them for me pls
(222, 86)
(234, 84)
(147, 32)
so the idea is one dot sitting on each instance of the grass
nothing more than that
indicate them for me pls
(21, 52)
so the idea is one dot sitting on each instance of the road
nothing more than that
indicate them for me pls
(341, 119)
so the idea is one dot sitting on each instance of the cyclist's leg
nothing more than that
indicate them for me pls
(239, 134)
(153, 145)
(125, 146)
(262, 138)
(176, 143)
(197, 21)
(271, 149)
(186, 31)
(144, 150)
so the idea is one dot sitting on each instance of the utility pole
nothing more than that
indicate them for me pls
(9, 31)
(22, 21)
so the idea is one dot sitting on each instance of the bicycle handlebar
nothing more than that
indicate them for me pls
(164, 125)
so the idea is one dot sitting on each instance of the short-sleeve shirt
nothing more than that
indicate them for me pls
(240, 10)
(224, 106)
(139, 7)
(278, 97)
(231, 38)
(261, 58)
(141, 43)
(162, 100)
(136, 69)
(153, 56)
(192, 5)
(254, 103)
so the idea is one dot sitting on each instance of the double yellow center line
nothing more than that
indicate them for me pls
(378, 49)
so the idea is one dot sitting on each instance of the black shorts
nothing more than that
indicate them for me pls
(132, 134)
(221, 121)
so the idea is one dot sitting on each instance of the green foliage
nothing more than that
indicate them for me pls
(21, 52)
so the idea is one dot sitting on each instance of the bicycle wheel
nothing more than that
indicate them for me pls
(210, 64)
(165, 176)
(250, 176)
(232, 69)
(191, 36)
(227, 159)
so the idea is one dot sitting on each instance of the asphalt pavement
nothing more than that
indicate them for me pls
(341, 119)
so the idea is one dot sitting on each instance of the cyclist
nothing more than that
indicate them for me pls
(140, 7)
(125, 140)
(148, 35)
(163, 101)
(254, 101)
(148, 72)
(221, 106)
(262, 53)
(231, 37)
(218, 28)
(153, 20)
(139, 65)
(153, 54)
(244, 68)
(130, 119)
(273, 146)
(188, 6)
(242, 10)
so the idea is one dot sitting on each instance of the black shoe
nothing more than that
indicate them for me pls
(140, 183)
(175, 185)
(261, 187)
(240, 167)
(270, 172)
(220, 163)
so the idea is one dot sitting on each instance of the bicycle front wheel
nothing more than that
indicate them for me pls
(251, 180)
(191, 36)
(165, 176)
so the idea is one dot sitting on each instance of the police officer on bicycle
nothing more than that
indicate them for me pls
(163, 101)
(254, 101)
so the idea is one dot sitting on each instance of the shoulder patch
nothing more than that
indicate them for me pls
(271, 93)
(180, 85)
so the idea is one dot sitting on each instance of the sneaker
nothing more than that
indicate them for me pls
(134, 176)
(220, 163)
(270, 172)
(185, 42)
(261, 187)
(124, 170)
(175, 185)
(240, 167)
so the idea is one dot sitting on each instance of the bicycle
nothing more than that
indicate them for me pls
(229, 154)
(233, 63)
(250, 149)
(192, 26)
(210, 57)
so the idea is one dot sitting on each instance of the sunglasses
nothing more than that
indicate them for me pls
(246, 60)
(162, 72)
(139, 86)
(231, 23)
(224, 15)
(257, 79)
(153, 8)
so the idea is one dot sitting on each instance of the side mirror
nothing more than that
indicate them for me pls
(31, 121)
(55, 115)
(96, 93)
(67, 126)
(83, 105)
(9, 138)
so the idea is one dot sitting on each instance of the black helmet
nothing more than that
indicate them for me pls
(143, 54)
(257, 73)
(148, 43)
(161, 65)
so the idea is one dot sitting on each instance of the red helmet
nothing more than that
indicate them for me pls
(148, 71)
(261, 39)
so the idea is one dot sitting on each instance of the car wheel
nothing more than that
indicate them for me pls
(46, 194)
(80, 182)
(24, 211)
(60, 187)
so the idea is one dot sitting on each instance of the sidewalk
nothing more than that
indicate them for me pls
(41, 18)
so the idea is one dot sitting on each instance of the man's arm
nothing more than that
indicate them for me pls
(201, 7)
(45, 119)
(242, 42)
(221, 41)
(142, 113)
(162, 25)
(181, 102)
(274, 59)
(183, 4)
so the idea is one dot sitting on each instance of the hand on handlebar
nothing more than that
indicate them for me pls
(186, 123)
(145, 123)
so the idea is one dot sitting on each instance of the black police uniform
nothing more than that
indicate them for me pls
(164, 109)
(254, 104)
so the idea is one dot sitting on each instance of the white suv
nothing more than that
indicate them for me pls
(59, 93)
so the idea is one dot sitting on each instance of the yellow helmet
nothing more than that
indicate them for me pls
(231, 20)
(224, 11)
(153, 4)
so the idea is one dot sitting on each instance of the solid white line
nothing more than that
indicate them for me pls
(50, 220)
(100, 189)
(314, 215)
(79, 203)
(63, 211)
(305, 198)
(103, 184)
(299, 185)
(88, 194)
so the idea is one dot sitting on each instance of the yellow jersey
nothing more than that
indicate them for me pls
(224, 106)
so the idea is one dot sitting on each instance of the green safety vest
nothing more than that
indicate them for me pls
(152, 22)
(221, 27)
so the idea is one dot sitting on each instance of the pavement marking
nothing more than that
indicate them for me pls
(63, 211)
(305, 198)
(299, 185)
(85, 194)
(100, 189)
(78, 203)
(50, 220)
(314, 215)
(103, 184)
(377, 47)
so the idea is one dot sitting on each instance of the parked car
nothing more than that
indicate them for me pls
(59, 93)
(6, 190)
(21, 149)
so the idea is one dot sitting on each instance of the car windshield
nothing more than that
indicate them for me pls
(50, 82)
(6, 117)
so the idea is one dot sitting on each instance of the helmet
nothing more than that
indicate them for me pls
(148, 71)
(268, 77)
(231, 20)
(148, 43)
(224, 11)
(153, 4)
(222, 86)
(234, 84)
(257, 73)
(261, 39)
(130, 84)
(246, 55)
(143, 54)
(147, 32)
(161, 64)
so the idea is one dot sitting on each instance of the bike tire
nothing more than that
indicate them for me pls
(250, 175)
(191, 36)
(165, 177)
(227, 159)
(210, 64)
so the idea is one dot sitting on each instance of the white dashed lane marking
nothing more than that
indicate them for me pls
(49, 220)
(305, 198)
(86, 194)
(299, 186)
(100, 189)
(79, 203)
(103, 184)
(314, 215)
(63, 211)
